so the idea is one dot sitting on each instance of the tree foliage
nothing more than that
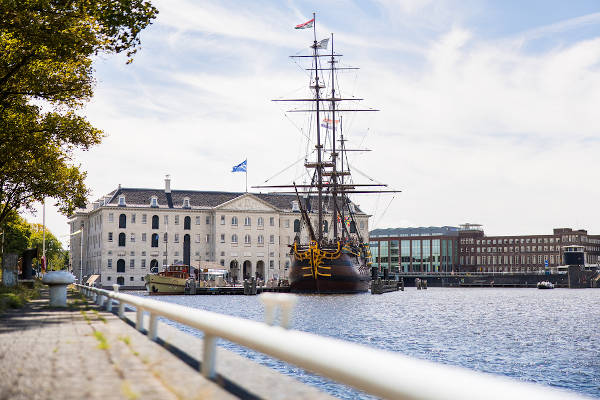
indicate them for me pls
(46, 76)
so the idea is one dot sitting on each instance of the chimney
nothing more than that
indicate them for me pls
(167, 183)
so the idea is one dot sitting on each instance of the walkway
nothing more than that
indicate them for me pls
(81, 353)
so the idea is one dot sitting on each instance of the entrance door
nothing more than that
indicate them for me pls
(121, 280)
(260, 270)
(247, 269)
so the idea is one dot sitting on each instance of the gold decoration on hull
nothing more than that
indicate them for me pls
(315, 257)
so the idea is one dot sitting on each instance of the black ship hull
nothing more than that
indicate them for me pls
(345, 274)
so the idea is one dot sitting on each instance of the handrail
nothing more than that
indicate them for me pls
(378, 372)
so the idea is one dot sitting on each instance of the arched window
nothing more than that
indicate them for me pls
(154, 240)
(234, 238)
(247, 221)
(325, 226)
(234, 221)
(121, 265)
(260, 221)
(247, 239)
(122, 239)
(187, 223)
(261, 239)
(296, 225)
(120, 280)
(155, 222)
(122, 221)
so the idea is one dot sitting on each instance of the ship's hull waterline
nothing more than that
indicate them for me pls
(347, 276)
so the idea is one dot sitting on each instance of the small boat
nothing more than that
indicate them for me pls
(545, 285)
(170, 281)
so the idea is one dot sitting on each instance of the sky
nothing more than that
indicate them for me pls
(488, 109)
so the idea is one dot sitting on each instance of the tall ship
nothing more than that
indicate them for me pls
(329, 254)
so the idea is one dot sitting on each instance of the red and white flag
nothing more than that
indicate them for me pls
(307, 24)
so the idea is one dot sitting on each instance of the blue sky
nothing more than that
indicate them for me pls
(488, 108)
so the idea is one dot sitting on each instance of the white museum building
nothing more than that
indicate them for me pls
(130, 232)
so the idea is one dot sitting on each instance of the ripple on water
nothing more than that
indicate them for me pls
(547, 337)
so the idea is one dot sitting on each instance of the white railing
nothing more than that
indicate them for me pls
(381, 373)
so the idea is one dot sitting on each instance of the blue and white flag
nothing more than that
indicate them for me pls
(241, 167)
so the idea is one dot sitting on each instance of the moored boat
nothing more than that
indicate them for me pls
(545, 285)
(170, 281)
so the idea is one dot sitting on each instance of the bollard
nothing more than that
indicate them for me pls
(58, 282)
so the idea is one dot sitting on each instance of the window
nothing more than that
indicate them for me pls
(165, 237)
(143, 237)
(122, 221)
(121, 265)
(143, 263)
(247, 239)
(222, 220)
(176, 220)
(222, 262)
(122, 201)
(261, 239)
(133, 218)
(362, 224)
(234, 238)
(109, 263)
(296, 225)
(132, 238)
(143, 253)
(110, 236)
(121, 239)
(208, 220)
(260, 221)
(154, 240)
(247, 221)
(186, 203)
(153, 202)
(271, 221)
(187, 223)
(207, 238)
(234, 221)
(325, 226)
(108, 279)
(131, 278)
(352, 227)
(131, 263)
(286, 224)
(144, 218)
(271, 264)
(197, 220)
(155, 222)
(198, 238)
(222, 238)
(272, 239)
(166, 218)
(110, 217)
(177, 238)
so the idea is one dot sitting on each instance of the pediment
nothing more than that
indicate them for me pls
(246, 202)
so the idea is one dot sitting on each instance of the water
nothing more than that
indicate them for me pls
(550, 337)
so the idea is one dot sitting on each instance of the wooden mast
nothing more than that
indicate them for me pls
(333, 153)
(318, 146)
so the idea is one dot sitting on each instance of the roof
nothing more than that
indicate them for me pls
(198, 199)
(420, 231)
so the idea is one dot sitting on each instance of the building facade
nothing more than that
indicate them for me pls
(429, 249)
(468, 249)
(130, 232)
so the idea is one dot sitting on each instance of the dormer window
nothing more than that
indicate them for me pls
(153, 202)
(186, 203)
(295, 206)
(122, 201)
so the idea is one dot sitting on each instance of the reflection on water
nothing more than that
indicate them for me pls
(545, 336)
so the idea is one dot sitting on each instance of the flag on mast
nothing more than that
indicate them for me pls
(307, 24)
(241, 167)
(323, 44)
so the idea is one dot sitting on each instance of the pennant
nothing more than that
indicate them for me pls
(322, 44)
(307, 24)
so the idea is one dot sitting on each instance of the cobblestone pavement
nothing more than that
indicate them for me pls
(82, 352)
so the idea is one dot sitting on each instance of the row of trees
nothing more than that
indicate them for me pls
(20, 235)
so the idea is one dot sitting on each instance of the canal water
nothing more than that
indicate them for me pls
(551, 337)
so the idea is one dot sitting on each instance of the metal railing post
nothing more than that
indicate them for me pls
(209, 356)
(121, 309)
(108, 304)
(139, 318)
(153, 326)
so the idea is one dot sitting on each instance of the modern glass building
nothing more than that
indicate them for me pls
(425, 249)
